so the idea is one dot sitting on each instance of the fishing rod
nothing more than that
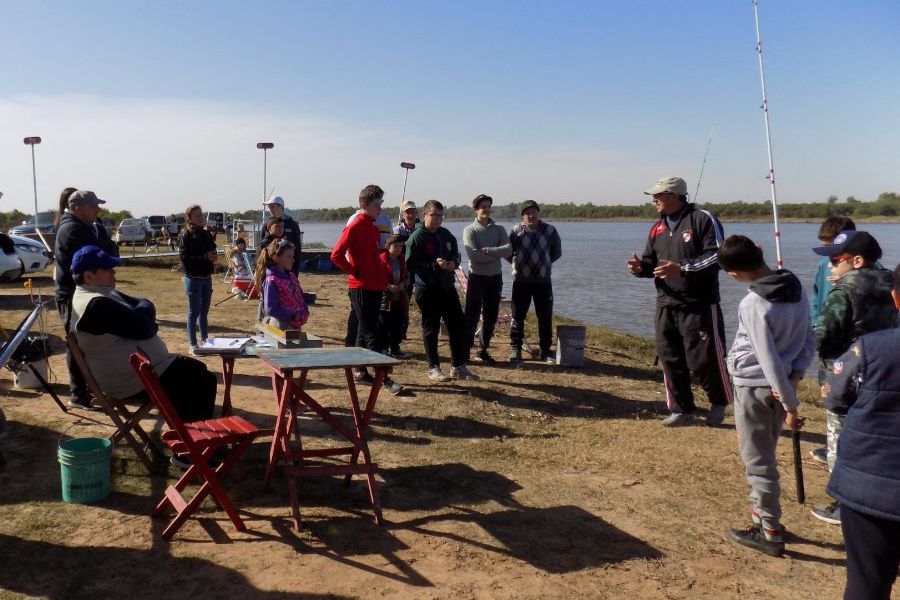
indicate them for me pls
(703, 165)
(765, 109)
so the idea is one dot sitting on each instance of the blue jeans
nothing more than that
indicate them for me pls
(199, 294)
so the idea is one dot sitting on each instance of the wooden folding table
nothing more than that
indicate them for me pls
(289, 376)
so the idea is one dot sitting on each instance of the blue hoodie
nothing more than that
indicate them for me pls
(774, 339)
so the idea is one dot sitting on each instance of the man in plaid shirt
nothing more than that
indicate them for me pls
(536, 246)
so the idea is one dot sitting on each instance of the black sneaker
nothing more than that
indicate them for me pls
(82, 403)
(547, 357)
(363, 377)
(483, 357)
(829, 514)
(756, 539)
(393, 388)
(515, 356)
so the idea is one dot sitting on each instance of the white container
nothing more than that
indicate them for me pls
(25, 379)
(570, 345)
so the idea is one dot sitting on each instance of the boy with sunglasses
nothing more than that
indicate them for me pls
(859, 302)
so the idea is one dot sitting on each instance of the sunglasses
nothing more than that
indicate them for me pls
(836, 260)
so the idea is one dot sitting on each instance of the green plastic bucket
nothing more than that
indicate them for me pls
(84, 467)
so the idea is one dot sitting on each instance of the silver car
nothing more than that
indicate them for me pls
(134, 231)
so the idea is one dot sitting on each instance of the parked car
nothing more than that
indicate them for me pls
(45, 222)
(134, 231)
(158, 223)
(32, 254)
(10, 265)
(110, 227)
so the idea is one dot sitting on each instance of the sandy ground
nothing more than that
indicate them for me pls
(535, 482)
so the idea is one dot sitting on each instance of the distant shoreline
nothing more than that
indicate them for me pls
(879, 220)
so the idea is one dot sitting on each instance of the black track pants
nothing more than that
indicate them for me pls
(482, 302)
(522, 294)
(367, 306)
(691, 339)
(434, 306)
(873, 555)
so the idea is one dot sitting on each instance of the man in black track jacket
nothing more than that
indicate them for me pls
(680, 256)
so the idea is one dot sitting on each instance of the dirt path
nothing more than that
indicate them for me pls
(535, 482)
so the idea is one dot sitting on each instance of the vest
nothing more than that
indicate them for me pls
(866, 476)
(290, 297)
(107, 354)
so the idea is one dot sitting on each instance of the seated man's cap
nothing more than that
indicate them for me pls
(82, 197)
(91, 258)
(406, 205)
(854, 243)
(675, 185)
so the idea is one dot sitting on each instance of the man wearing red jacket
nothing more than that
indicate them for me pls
(357, 254)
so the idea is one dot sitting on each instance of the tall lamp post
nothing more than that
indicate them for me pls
(265, 147)
(33, 141)
(407, 166)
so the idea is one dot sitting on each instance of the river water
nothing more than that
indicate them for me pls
(591, 283)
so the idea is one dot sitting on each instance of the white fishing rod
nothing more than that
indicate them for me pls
(703, 164)
(765, 108)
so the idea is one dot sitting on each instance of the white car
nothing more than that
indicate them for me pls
(32, 253)
(10, 265)
(134, 231)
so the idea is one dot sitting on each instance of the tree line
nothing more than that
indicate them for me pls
(886, 205)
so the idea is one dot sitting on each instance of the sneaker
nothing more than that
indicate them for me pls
(820, 455)
(393, 388)
(716, 415)
(756, 539)
(435, 374)
(483, 357)
(547, 357)
(400, 354)
(677, 419)
(463, 372)
(82, 403)
(181, 462)
(515, 356)
(829, 514)
(363, 376)
(192, 349)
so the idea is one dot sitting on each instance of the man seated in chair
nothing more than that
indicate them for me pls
(109, 326)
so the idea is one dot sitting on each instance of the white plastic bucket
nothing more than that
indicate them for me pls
(25, 379)
(570, 345)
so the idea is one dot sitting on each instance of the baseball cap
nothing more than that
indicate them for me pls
(854, 243)
(82, 197)
(481, 197)
(406, 205)
(529, 204)
(675, 185)
(276, 200)
(91, 258)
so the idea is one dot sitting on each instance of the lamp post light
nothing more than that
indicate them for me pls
(33, 141)
(407, 166)
(265, 147)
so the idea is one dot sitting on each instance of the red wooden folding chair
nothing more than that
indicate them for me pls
(199, 441)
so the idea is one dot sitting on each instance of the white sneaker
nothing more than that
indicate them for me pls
(435, 374)
(463, 372)
(193, 350)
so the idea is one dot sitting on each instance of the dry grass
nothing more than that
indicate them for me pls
(534, 482)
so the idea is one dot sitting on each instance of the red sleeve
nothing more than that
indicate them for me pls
(339, 254)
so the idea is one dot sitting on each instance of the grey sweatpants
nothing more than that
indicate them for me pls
(759, 418)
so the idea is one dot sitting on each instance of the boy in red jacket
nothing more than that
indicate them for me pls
(357, 254)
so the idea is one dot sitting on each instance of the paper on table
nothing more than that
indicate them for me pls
(223, 344)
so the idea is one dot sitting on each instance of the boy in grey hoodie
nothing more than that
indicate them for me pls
(772, 349)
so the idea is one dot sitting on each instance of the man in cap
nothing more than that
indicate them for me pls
(535, 247)
(79, 226)
(485, 243)
(680, 256)
(291, 233)
(409, 219)
(859, 302)
(110, 326)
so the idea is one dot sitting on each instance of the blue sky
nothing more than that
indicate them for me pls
(162, 103)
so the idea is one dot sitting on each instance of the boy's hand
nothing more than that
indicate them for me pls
(793, 420)
(825, 390)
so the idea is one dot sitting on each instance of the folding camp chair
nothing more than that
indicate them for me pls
(126, 420)
(199, 441)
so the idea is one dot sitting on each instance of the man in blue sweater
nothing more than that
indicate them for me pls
(865, 382)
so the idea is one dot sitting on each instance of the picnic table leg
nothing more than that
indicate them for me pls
(227, 374)
(282, 389)
(361, 423)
